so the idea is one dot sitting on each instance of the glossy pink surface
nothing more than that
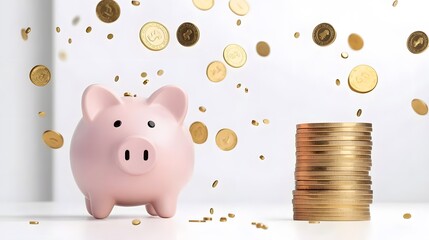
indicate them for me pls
(131, 151)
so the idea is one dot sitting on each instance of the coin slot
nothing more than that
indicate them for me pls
(151, 124)
(117, 123)
(127, 155)
(145, 155)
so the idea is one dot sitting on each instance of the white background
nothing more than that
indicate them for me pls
(294, 84)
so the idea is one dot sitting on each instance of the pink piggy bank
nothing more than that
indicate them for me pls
(131, 151)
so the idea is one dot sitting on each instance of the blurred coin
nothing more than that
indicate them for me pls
(417, 42)
(419, 106)
(363, 79)
(324, 34)
(226, 139)
(53, 139)
(355, 42)
(40, 75)
(344, 55)
(234, 55)
(187, 34)
(239, 7)
(135, 3)
(216, 71)
(203, 4)
(108, 11)
(198, 132)
(154, 36)
(263, 49)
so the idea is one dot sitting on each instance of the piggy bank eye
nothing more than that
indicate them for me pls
(117, 123)
(151, 124)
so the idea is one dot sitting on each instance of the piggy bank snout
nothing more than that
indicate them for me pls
(136, 155)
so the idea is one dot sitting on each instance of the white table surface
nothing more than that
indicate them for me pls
(70, 221)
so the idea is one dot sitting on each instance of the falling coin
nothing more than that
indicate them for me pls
(265, 227)
(58, 29)
(338, 82)
(70, 41)
(197, 221)
(395, 3)
(128, 94)
(62, 55)
(53, 139)
(216, 71)
(324, 34)
(108, 11)
(231, 215)
(202, 109)
(246, 90)
(363, 79)
(239, 7)
(135, 3)
(143, 74)
(234, 55)
(116, 78)
(223, 219)
(238, 85)
(88, 29)
(154, 36)
(211, 211)
(136, 222)
(266, 121)
(198, 132)
(24, 34)
(160, 72)
(262, 157)
(32, 222)
(263, 49)
(355, 42)
(407, 216)
(417, 42)
(344, 55)
(214, 184)
(203, 4)
(187, 34)
(145, 82)
(296, 34)
(419, 106)
(359, 112)
(109, 36)
(40, 75)
(226, 139)
(207, 218)
(259, 225)
(238, 22)
(255, 123)
(42, 114)
(76, 20)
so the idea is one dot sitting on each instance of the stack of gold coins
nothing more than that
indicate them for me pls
(333, 161)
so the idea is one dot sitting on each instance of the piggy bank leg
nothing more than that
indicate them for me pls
(88, 206)
(101, 207)
(151, 210)
(166, 206)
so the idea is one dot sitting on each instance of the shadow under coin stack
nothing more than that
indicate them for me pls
(333, 161)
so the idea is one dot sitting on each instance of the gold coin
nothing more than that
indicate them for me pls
(42, 114)
(344, 55)
(203, 4)
(263, 49)
(359, 112)
(333, 187)
(363, 79)
(331, 201)
(333, 148)
(327, 159)
(207, 218)
(70, 41)
(187, 34)
(143, 74)
(238, 22)
(324, 34)
(331, 153)
(53, 139)
(239, 85)
(266, 121)
(407, 215)
(24, 34)
(40, 75)
(211, 211)
(341, 210)
(333, 130)
(332, 192)
(333, 138)
(214, 184)
(196, 221)
(239, 7)
(116, 78)
(330, 206)
(58, 29)
(246, 90)
(136, 222)
(160, 72)
(338, 82)
(333, 213)
(226, 139)
(223, 219)
(333, 134)
(332, 173)
(154, 36)
(265, 227)
(108, 11)
(216, 71)
(145, 82)
(355, 42)
(231, 215)
(109, 36)
(335, 143)
(336, 165)
(296, 34)
(88, 29)
(325, 218)
(331, 168)
(198, 132)
(202, 109)
(262, 157)
(234, 55)
(331, 197)
(334, 125)
(135, 3)
(76, 20)
(62, 55)
(259, 225)
(417, 42)
(332, 177)
(395, 3)
(255, 123)
(419, 106)
(32, 222)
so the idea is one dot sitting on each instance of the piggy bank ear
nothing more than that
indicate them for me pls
(95, 99)
(172, 98)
